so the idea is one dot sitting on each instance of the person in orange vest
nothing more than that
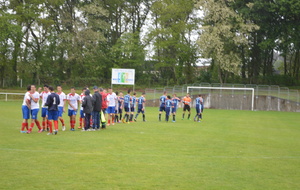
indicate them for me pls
(187, 105)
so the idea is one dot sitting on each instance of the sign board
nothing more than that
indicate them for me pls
(123, 76)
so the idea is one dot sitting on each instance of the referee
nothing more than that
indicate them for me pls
(187, 106)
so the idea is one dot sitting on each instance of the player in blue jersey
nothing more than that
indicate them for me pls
(120, 105)
(175, 101)
(198, 108)
(202, 105)
(127, 101)
(132, 106)
(162, 104)
(168, 107)
(141, 106)
(52, 103)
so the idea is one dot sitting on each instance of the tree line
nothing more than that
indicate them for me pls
(77, 42)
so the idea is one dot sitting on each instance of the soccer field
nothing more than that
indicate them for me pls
(228, 150)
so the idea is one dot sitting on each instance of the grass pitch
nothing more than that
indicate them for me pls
(228, 150)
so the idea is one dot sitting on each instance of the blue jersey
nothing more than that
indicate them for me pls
(162, 100)
(141, 101)
(52, 102)
(198, 102)
(133, 101)
(127, 99)
(169, 103)
(120, 100)
(175, 101)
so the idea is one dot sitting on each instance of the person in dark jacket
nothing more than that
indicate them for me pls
(52, 102)
(87, 104)
(97, 108)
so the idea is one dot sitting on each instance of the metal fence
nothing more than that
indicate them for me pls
(270, 98)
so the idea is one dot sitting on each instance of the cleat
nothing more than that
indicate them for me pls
(55, 132)
(40, 131)
(79, 127)
(28, 132)
(173, 121)
(113, 123)
(63, 128)
(22, 131)
(144, 120)
(72, 129)
(134, 119)
(50, 134)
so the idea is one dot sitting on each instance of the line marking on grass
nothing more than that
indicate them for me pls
(153, 155)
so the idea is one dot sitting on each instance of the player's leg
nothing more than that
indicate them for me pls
(137, 114)
(144, 117)
(26, 116)
(60, 114)
(189, 110)
(184, 110)
(120, 116)
(159, 113)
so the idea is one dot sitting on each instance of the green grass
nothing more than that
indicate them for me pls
(228, 150)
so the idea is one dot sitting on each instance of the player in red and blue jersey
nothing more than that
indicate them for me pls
(52, 103)
(141, 106)
(198, 108)
(168, 107)
(162, 104)
(175, 101)
(127, 101)
(132, 106)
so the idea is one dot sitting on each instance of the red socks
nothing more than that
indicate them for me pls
(56, 125)
(72, 123)
(62, 121)
(80, 122)
(44, 124)
(50, 126)
(23, 126)
(38, 124)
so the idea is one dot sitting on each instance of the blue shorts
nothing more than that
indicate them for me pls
(126, 108)
(72, 112)
(110, 109)
(44, 112)
(25, 112)
(141, 111)
(168, 110)
(34, 113)
(198, 109)
(162, 108)
(81, 114)
(174, 109)
(60, 111)
(53, 115)
(132, 109)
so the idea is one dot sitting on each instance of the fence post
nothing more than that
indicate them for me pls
(6, 97)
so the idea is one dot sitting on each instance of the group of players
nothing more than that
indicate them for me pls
(94, 109)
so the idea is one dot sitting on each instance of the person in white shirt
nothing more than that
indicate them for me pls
(73, 101)
(44, 95)
(26, 110)
(61, 106)
(35, 107)
(111, 103)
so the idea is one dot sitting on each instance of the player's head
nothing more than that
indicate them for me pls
(58, 88)
(165, 92)
(83, 89)
(200, 95)
(129, 91)
(110, 90)
(28, 88)
(72, 90)
(104, 91)
(169, 97)
(32, 88)
(134, 93)
(143, 94)
(121, 93)
(51, 88)
(87, 92)
(95, 88)
(117, 93)
(174, 95)
(187, 95)
(101, 89)
(46, 88)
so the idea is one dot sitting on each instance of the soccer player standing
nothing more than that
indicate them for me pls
(52, 103)
(127, 101)
(44, 95)
(61, 106)
(175, 101)
(169, 105)
(26, 110)
(187, 105)
(111, 103)
(121, 105)
(198, 108)
(97, 99)
(141, 106)
(162, 104)
(202, 105)
(81, 118)
(35, 107)
(132, 106)
(73, 101)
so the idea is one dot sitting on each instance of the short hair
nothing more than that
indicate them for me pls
(117, 93)
(51, 88)
(101, 89)
(134, 93)
(169, 97)
(199, 95)
(28, 87)
(45, 85)
(58, 86)
(83, 88)
(128, 91)
(109, 88)
(165, 92)
(143, 93)
(73, 87)
(175, 94)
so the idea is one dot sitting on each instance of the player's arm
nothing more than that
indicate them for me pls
(48, 101)
(28, 103)
(69, 103)
(78, 102)
(144, 103)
